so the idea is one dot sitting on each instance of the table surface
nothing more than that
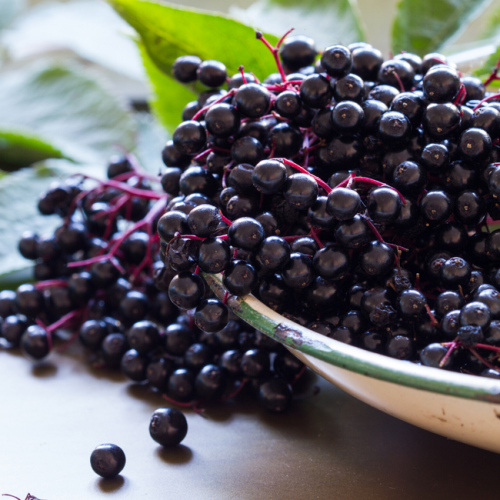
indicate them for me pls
(328, 446)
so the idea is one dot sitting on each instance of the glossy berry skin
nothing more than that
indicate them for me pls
(436, 206)
(247, 150)
(376, 258)
(349, 88)
(288, 104)
(12, 328)
(435, 158)
(275, 395)
(222, 120)
(410, 304)
(177, 339)
(246, 233)
(411, 105)
(114, 346)
(212, 73)
(343, 203)
(203, 220)
(134, 306)
(323, 295)
(322, 124)
(297, 52)
(92, 333)
(469, 209)
(252, 100)
(491, 298)
(274, 293)
(172, 157)
(133, 365)
(144, 337)
(383, 93)
(455, 272)
(285, 140)
(29, 300)
(186, 290)
(300, 191)
(269, 176)
(197, 356)
(7, 303)
(189, 137)
(299, 272)
(448, 301)
(405, 72)
(107, 460)
(185, 67)
(210, 383)
(255, 363)
(118, 165)
(213, 255)
(35, 342)
(353, 233)
(384, 205)
(181, 384)
(409, 178)
(318, 215)
(347, 117)
(394, 127)
(168, 426)
(441, 84)
(273, 253)
(441, 120)
(315, 91)
(475, 145)
(475, 314)
(337, 60)
(28, 245)
(211, 316)
(332, 262)
(400, 347)
(366, 62)
(240, 278)
(433, 354)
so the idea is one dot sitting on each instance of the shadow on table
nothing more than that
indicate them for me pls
(111, 485)
(177, 455)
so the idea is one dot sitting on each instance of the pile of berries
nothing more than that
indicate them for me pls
(352, 195)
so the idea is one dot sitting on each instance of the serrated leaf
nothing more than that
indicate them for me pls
(19, 193)
(20, 148)
(326, 21)
(70, 109)
(169, 31)
(424, 26)
(168, 97)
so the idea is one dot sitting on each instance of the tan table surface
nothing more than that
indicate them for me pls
(329, 446)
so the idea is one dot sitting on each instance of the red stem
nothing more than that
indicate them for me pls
(493, 74)
(206, 108)
(225, 219)
(274, 52)
(321, 182)
(235, 392)
(65, 319)
(380, 184)
(451, 348)
(486, 363)
(46, 284)
(486, 99)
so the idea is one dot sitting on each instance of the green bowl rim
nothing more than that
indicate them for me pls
(352, 358)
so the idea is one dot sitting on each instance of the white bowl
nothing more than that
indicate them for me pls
(459, 406)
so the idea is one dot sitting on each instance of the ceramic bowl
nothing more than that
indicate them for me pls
(459, 406)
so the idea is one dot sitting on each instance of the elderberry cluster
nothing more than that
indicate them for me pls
(352, 195)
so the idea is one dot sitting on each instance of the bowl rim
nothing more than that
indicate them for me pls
(351, 358)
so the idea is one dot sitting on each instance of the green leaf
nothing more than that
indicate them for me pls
(423, 26)
(19, 149)
(67, 107)
(326, 21)
(19, 193)
(485, 70)
(169, 31)
(168, 97)
(151, 139)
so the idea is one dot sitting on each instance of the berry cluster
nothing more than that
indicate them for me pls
(348, 193)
